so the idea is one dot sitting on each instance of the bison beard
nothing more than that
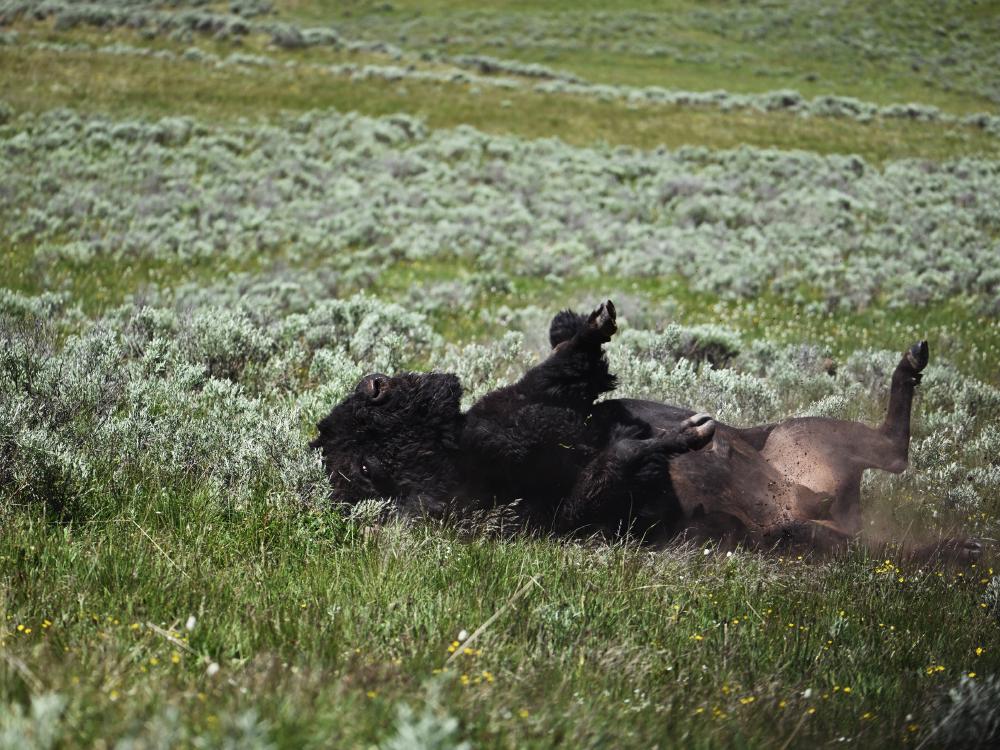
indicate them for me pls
(570, 464)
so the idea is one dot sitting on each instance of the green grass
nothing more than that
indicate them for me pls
(36, 80)
(723, 51)
(869, 84)
(105, 282)
(325, 626)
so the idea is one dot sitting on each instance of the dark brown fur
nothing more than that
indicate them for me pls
(572, 464)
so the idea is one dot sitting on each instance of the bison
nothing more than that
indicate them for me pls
(566, 462)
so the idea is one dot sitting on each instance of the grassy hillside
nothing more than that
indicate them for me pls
(886, 52)
(218, 216)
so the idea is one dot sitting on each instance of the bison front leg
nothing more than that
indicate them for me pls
(576, 372)
(567, 324)
(629, 473)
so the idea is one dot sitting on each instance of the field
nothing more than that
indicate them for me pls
(216, 217)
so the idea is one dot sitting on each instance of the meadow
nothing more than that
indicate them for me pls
(217, 216)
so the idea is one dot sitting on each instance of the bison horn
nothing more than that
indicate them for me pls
(374, 387)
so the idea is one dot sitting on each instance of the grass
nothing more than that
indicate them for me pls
(312, 629)
(36, 80)
(719, 48)
(104, 282)
(324, 626)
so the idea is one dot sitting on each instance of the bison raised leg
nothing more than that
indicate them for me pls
(576, 372)
(829, 455)
(896, 426)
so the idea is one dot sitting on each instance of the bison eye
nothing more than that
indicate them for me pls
(372, 469)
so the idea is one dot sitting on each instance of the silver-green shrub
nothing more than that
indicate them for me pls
(217, 389)
(970, 715)
(38, 728)
(354, 195)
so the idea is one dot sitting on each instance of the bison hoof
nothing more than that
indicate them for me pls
(918, 356)
(602, 321)
(970, 551)
(961, 551)
(698, 431)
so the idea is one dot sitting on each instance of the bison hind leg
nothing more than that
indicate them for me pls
(896, 426)
(917, 358)
(950, 550)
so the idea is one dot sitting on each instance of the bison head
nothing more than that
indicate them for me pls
(395, 437)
